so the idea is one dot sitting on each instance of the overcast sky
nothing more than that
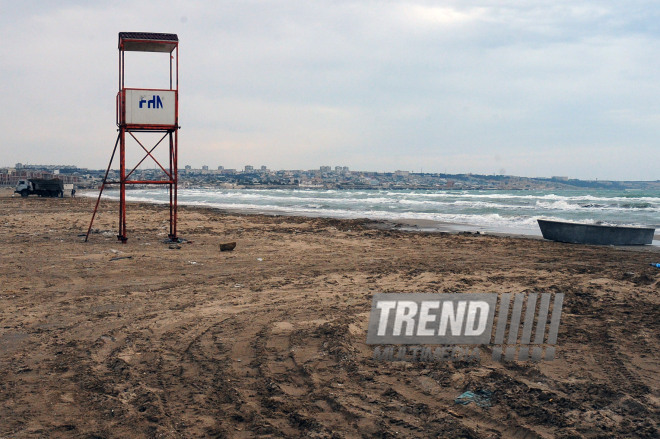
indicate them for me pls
(531, 88)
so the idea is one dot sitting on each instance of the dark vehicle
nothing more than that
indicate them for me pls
(40, 186)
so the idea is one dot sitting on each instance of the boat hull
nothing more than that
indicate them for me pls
(595, 234)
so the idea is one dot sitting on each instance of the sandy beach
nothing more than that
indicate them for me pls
(104, 340)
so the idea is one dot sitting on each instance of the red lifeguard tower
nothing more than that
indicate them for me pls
(146, 111)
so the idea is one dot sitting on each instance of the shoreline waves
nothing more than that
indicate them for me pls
(509, 213)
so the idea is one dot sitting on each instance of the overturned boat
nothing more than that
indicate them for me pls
(595, 233)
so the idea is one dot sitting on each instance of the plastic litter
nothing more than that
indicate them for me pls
(480, 397)
(655, 265)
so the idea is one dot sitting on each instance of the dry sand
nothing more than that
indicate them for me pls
(101, 339)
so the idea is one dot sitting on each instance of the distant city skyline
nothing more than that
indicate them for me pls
(324, 177)
(323, 169)
(536, 88)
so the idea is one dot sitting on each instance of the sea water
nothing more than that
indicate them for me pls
(490, 211)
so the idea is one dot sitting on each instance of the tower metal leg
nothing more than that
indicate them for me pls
(122, 188)
(173, 186)
(105, 179)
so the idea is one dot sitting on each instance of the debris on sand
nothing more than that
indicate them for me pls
(227, 247)
(480, 397)
(121, 257)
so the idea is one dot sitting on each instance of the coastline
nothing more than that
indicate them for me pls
(402, 223)
(145, 339)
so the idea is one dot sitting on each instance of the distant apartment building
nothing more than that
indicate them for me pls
(205, 168)
(249, 168)
(221, 168)
(325, 168)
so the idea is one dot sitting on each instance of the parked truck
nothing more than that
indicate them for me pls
(40, 186)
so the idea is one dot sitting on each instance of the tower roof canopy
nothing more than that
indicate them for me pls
(147, 42)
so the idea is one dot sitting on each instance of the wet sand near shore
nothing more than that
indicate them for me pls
(147, 339)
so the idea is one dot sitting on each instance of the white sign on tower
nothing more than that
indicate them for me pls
(150, 107)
